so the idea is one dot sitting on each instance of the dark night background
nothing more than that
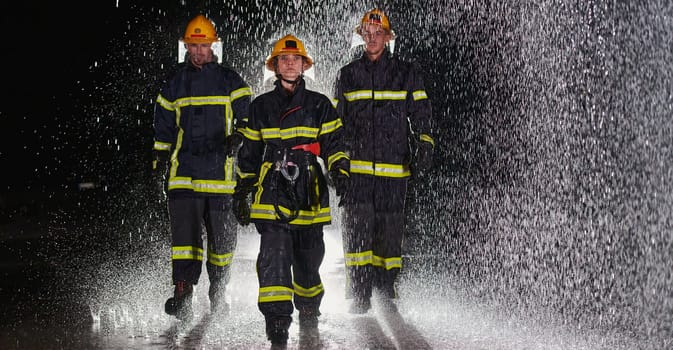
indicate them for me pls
(552, 189)
(78, 99)
(80, 86)
(50, 76)
(79, 92)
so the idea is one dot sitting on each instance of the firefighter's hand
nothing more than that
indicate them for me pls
(233, 142)
(341, 180)
(240, 205)
(423, 159)
(241, 210)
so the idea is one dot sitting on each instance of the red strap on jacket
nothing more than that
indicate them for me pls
(310, 147)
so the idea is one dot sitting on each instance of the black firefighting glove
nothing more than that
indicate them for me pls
(341, 181)
(233, 142)
(159, 171)
(422, 160)
(241, 203)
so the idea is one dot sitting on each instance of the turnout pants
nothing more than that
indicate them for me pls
(373, 233)
(189, 217)
(288, 267)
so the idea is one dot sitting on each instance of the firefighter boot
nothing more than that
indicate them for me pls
(180, 305)
(360, 305)
(277, 330)
(387, 296)
(216, 294)
(308, 317)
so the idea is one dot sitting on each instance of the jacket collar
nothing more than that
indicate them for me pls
(301, 85)
(205, 66)
(383, 59)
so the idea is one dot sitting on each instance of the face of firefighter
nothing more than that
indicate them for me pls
(375, 39)
(290, 67)
(200, 54)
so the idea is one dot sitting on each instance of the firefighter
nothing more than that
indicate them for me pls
(198, 115)
(291, 135)
(386, 114)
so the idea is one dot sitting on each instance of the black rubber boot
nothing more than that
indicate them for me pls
(277, 330)
(180, 305)
(308, 317)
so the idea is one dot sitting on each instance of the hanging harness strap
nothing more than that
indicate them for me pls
(293, 177)
(310, 147)
(313, 148)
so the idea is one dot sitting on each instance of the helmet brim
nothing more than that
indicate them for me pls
(269, 62)
(199, 41)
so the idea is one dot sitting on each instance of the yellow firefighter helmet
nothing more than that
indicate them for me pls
(374, 16)
(200, 30)
(288, 45)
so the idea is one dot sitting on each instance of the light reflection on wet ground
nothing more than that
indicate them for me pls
(126, 312)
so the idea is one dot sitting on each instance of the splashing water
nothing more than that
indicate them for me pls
(551, 200)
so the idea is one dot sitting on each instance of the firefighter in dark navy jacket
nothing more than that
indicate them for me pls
(197, 117)
(388, 135)
(293, 138)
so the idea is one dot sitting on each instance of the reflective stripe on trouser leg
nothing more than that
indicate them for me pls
(274, 271)
(309, 251)
(186, 215)
(388, 251)
(358, 236)
(221, 230)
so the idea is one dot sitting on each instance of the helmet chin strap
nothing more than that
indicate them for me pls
(293, 82)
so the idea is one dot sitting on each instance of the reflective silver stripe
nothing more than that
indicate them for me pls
(368, 258)
(202, 100)
(391, 170)
(271, 133)
(395, 95)
(390, 95)
(274, 293)
(358, 95)
(420, 95)
(289, 133)
(220, 259)
(162, 146)
(186, 253)
(379, 169)
(307, 292)
(163, 102)
(251, 134)
(334, 157)
(300, 131)
(359, 259)
(238, 93)
(206, 186)
(387, 263)
(330, 126)
(304, 217)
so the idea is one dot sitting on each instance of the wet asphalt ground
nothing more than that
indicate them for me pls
(84, 282)
(45, 306)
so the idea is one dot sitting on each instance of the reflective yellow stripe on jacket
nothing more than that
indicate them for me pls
(379, 169)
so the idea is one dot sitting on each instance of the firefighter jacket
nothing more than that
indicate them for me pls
(288, 140)
(195, 112)
(385, 111)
